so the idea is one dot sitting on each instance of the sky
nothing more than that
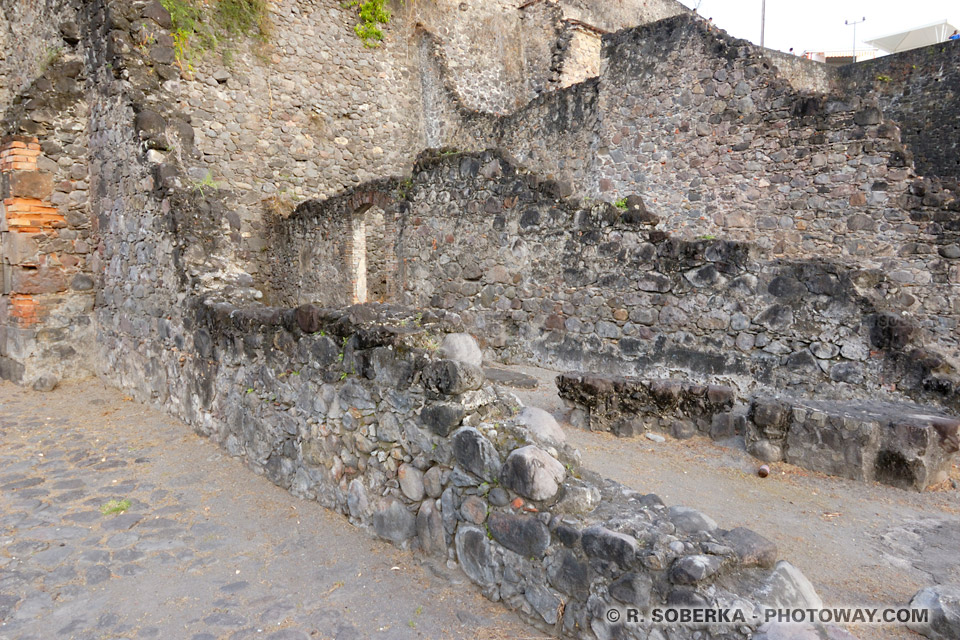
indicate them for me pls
(818, 25)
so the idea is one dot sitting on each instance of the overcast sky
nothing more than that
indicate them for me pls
(817, 25)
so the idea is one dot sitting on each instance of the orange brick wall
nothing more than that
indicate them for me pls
(27, 210)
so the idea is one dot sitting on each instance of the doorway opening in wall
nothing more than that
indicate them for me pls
(372, 255)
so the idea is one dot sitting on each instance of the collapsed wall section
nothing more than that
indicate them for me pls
(920, 91)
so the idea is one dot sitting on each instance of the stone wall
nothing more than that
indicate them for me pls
(803, 73)
(46, 233)
(583, 57)
(613, 15)
(361, 411)
(899, 444)
(920, 91)
(577, 285)
(33, 35)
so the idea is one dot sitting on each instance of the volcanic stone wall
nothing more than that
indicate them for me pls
(920, 90)
(579, 285)
(33, 35)
(365, 411)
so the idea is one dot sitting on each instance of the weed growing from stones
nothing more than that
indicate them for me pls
(199, 25)
(373, 13)
(115, 506)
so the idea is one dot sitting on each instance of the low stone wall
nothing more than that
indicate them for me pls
(370, 412)
(902, 445)
(630, 406)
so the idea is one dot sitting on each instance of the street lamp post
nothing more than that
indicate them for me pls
(763, 20)
(854, 24)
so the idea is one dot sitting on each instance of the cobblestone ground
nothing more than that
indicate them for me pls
(205, 550)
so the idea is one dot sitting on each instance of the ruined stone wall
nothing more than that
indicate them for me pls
(313, 112)
(718, 143)
(359, 410)
(544, 42)
(33, 35)
(583, 59)
(802, 73)
(920, 91)
(576, 285)
(613, 15)
(46, 234)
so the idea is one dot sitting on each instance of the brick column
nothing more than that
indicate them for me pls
(30, 276)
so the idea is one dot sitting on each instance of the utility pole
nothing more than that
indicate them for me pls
(854, 24)
(763, 20)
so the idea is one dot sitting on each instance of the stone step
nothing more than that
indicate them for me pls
(899, 444)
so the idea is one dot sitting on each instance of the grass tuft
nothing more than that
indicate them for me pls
(115, 506)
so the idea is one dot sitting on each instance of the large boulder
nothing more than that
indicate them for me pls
(533, 473)
(476, 556)
(430, 530)
(600, 542)
(689, 520)
(452, 377)
(752, 549)
(461, 347)
(788, 588)
(525, 535)
(943, 604)
(394, 521)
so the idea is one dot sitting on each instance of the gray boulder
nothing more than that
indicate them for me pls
(690, 520)
(452, 377)
(476, 454)
(943, 603)
(476, 557)
(541, 425)
(525, 535)
(430, 530)
(533, 473)
(786, 588)
(394, 522)
(411, 482)
(462, 347)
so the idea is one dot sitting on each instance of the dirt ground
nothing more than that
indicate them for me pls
(859, 543)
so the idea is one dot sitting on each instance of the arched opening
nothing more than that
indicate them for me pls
(371, 255)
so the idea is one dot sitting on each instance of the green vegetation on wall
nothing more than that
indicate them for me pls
(201, 25)
(373, 13)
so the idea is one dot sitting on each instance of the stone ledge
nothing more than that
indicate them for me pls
(628, 406)
(899, 444)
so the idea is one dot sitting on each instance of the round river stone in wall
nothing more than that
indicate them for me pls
(542, 425)
(533, 473)
(462, 347)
